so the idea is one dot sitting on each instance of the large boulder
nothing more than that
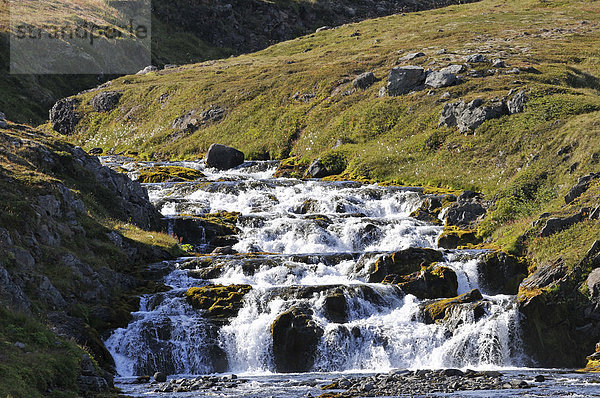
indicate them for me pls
(64, 117)
(404, 79)
(440, 310)
(434, 282)
(469, 116)
(402, 262)
(501, 273)
(295, 339)
(330, 165)
(223, 157)
(220, 302)
(516, 104)
(467, 211)
(193, 120)
(106, 101)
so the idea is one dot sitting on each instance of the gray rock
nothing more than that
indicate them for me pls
(475, 58)
(364, 80)
(455, 68)
(411, 56)
(580, 187)
(556, 224)
(440, 79)
(546, 275)
(464, 214)
(160, 377)
(318, 169)
(106, 101)
(517, 103)
(147, 69)
(223, 157)
(193, 120)
(3, 123)
(64, 117)
(322, 28)
(404, 79)
(471, 115)
(498, 63)
(20, 345)
(593, 282)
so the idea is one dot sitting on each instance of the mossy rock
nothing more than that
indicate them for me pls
(218, 300)
(502, 273)
(439, 310)
(454, 237)
(430, 283)
(291, 168)
(158, 174)
(403, 262)
(593, 365)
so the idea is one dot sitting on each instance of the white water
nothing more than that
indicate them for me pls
(384, 327)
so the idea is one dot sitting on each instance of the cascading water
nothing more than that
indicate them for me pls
(310, 241)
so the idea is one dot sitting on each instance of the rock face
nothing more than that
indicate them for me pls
(502, 273)
(469, 116)
(557, 224)
(364, 80)
(106, 101)
(295, 340)
(63, 116)
(223, 157)
(404, 79)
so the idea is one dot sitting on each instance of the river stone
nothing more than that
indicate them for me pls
(160, 377)
(64, 117)
(404, 79)
(106, 101)
(223, 157)
(440, 79)
(295, 339)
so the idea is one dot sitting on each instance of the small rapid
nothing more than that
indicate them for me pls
(308, 250)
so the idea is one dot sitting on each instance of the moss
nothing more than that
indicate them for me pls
(453, 237)
(593, 365)
(159, 174)
(293, 167)
(438, 310)
(219, 301)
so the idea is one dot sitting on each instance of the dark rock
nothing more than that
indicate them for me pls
(454, 237)
(440, 79)
(364, 80)
(3, 123)
(223, 157)
(411, 56)
(403, 262)
(465, 212)
(580, 187)
(435, 282)
(336, 307)
(220, 302)
(106, 101)
(501, 273)
(546, 276)
(539, 378)
(89, 380)
(320, 169)
(555, 224)
(404, 79)
(160, 377)
(295, 340)
(64, 117)
(96, 151)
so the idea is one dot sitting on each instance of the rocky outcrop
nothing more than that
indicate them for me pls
(442, 310)
(467, 211)
(223, 157)
(364, 80)
(433, 282)
(556, 224)
(106, 101)
(220, 302)
(193, 120)
(400, 263)
(582, 185)
(295, 339)
(64, 117)
(468, 116)
(501, 273)
(439, 79)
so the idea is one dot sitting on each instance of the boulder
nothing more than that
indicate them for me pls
(160, 377)
(106, 101)
(404, 79)
(364, 80)
(516, 104)
(476, 58)
(453, 237)
(464, 214)
(454, 69)
(439, 310)
(193, 120)
(147, 69)
(440, 79)
(501, 273)
(3, 123)
(64, 117)
(546, 275)
(582, 185)
(556, 224)
(336, 307)
(223, 157)
(411, 56)
(402, 262)
(593, 283)
(434, 282)
(321, 168)
(220, 302)
(471, 115)
(295, 339)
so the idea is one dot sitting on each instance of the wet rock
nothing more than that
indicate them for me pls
(434, 282)
(501, 273)
(320, 169)
(440, 310)
(336, 307)
(64, 117)
(405, 79)
(580, 187)
(160, 377)
(219, 301)
(106, 101)
(440, 79)
(364, 80)
(539, 378)
(223, 157)
(403, 262)
(295, 339)
(453, 237)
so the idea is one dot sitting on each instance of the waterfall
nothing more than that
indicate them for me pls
(314, 244)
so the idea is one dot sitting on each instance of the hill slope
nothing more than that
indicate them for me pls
(297, 99)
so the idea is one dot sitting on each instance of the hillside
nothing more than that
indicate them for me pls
(533, 73)
(75, 237)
